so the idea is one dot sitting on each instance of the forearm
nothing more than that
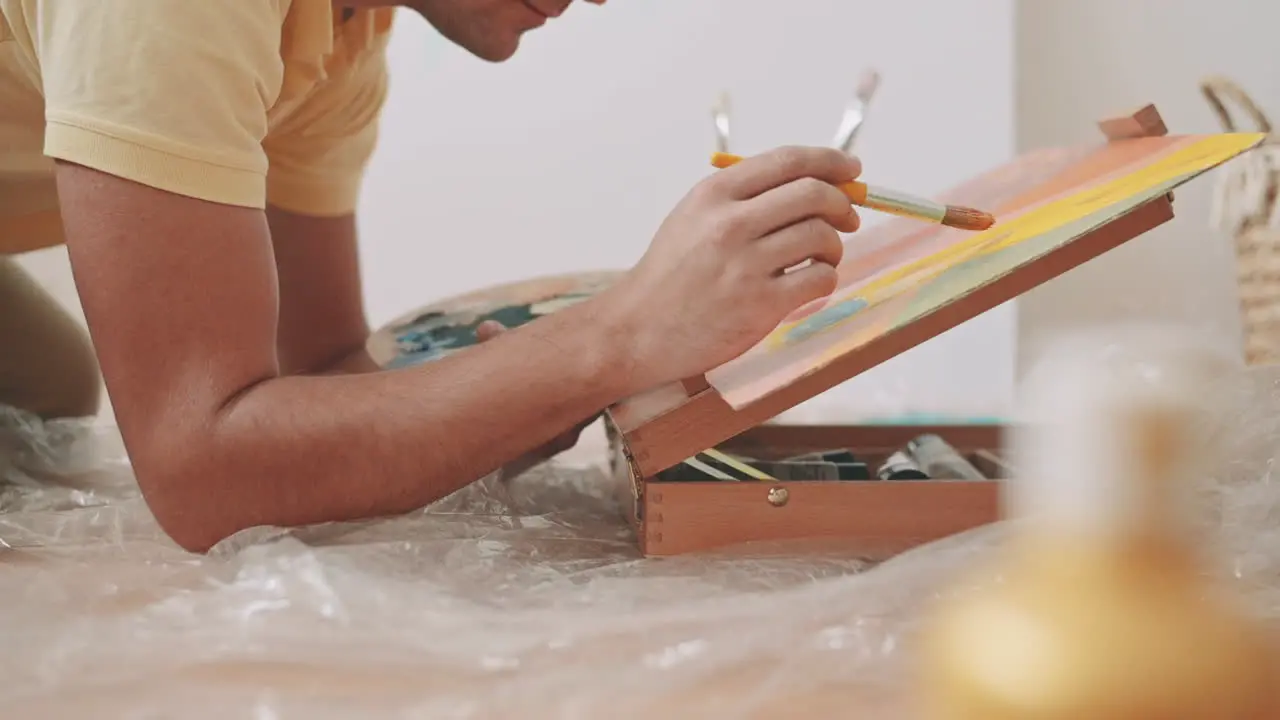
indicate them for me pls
(314, 448)
(354, 362)
(306, 449)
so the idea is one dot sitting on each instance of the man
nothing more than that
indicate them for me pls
(201, 161)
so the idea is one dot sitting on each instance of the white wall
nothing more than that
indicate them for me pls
(569, 156)
(1084, 59)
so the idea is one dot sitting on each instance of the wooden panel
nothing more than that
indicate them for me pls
(875, 520)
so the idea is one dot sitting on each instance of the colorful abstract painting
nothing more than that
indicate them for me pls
(900, 272)
(448, 326)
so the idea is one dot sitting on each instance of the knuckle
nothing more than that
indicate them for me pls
(833, 203)
(855, 165)
(839, 204)
(791, 160)
(708, 191)
(815, 230)
(825, 279)
(814, 193)
(825, 235)
(834, 248)
(735, 275)
(834, 242)
(725, 226)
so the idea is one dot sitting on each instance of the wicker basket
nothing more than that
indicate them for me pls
(1245, 207)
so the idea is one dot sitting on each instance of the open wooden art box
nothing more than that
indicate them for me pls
(902, 283)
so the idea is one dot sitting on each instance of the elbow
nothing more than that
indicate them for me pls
(192, 540)
(191, 536)
(190, 506)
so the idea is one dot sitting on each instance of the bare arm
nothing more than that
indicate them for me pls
(323, 330)
(182, 297)
(322, 322)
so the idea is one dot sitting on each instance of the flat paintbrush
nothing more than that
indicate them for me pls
(855, 112)
(897, 203)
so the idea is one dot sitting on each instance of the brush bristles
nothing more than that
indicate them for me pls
(867, 86)
(967, 218)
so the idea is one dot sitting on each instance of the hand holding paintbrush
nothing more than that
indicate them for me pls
(897, 203)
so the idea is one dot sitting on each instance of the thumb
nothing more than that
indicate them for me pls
(489, 329)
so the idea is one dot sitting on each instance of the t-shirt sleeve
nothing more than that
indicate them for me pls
(319, 153)
(168, 93)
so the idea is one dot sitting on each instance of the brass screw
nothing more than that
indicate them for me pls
(778, 496)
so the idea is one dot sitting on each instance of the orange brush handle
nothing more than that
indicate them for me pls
(854, 190)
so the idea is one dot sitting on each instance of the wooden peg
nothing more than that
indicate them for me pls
(1144, 122)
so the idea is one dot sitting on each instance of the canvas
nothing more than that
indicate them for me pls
(900, 272)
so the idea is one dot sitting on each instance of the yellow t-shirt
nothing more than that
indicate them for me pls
(242, 102)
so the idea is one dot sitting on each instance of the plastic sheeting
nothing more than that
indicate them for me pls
(523, 599)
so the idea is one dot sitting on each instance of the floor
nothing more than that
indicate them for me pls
(494, 601)
(521, 600)
(524, 600)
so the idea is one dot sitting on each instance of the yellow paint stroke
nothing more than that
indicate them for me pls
(1194, 158)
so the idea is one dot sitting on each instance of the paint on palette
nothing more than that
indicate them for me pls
(825, 318)
(433, 335)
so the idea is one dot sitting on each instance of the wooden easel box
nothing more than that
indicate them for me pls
(872, 519)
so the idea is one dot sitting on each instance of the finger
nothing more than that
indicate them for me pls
(489, 329)
(811, 239)
(807, 284)
(796, 201)
(761, 173)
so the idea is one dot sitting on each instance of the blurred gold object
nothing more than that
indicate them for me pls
(1102, 610)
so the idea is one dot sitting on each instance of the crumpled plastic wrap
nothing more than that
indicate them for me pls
(523, 599)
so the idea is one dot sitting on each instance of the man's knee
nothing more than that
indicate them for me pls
(47, 366)
(75, 389)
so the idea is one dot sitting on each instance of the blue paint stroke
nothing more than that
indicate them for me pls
(434, 335)
(824, 319)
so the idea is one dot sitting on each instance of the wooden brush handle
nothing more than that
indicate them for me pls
(855, 190)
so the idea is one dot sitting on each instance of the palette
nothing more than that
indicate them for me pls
(901, 284)
(449, 326)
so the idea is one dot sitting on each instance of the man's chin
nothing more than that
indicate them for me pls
(495, 52)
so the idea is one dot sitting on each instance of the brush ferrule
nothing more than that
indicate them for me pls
(897, 203)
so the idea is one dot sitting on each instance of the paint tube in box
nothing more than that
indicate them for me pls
(901, 466)
(938, 459)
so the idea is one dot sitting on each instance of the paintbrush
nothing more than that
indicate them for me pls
(855, 113)
(897, 203)
(720, 117)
